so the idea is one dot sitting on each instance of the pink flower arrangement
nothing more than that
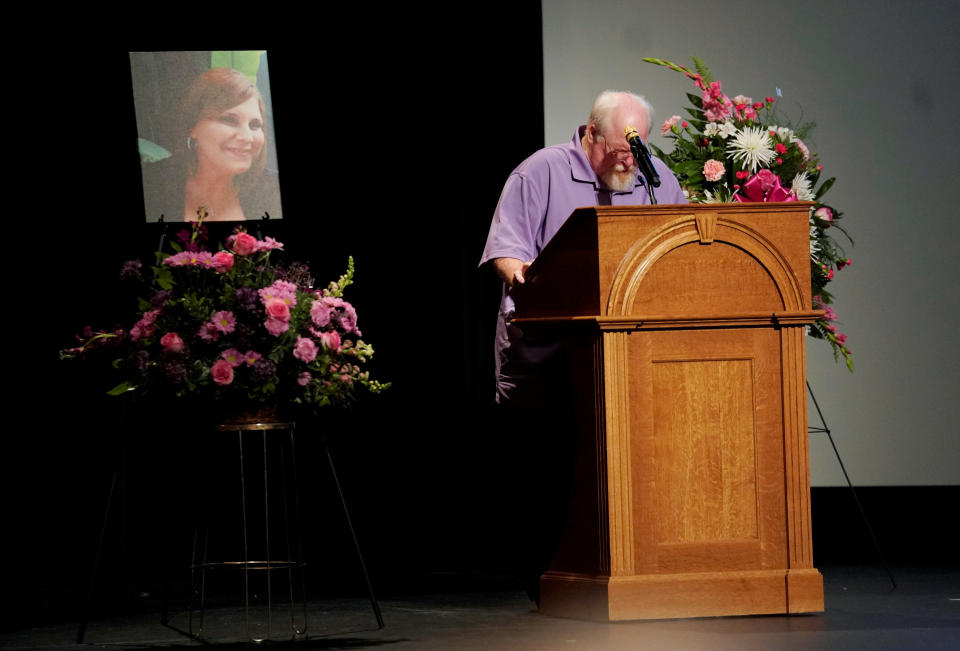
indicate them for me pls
(713, 170)
(209, 309)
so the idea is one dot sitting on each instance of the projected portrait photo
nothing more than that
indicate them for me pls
(205, 135)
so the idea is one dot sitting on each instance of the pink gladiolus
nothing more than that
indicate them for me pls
(171, 342)
(841, 338)
(221, 372)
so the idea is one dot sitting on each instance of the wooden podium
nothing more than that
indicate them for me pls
(685, 330)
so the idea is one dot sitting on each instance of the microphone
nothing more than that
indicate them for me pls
(643, 156)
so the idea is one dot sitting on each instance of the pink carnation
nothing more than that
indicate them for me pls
(276, 327)
(305, 350)
(171, 342)
(320, 312)
(221, 372)
(668, 124)
(713, 170)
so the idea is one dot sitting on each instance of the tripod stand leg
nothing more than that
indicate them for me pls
(356, 543)
(853, 491)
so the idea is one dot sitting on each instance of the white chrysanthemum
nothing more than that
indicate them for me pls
(751, 147)
(727, 129)
(801, 187)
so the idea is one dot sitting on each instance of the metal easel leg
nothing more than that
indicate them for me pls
(356, 543)
(863, 514)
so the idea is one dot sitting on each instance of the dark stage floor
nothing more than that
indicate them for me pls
(862, 612)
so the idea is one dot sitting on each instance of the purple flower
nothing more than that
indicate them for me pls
(247, 298)
(175, 370)
(131, 269)
(264, 367)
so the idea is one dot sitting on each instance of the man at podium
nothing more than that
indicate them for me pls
(596, 168)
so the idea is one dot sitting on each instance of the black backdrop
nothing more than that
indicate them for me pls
(395, 133)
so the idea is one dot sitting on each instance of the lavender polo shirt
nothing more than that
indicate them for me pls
(537, 199)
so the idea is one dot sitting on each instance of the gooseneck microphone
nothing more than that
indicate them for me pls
(643, 160)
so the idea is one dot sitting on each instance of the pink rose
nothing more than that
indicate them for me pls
(330, 341)
(713, 170)
(303, 379)
(824, 214)
(171, 342)
(244, 244)
(305, 350)
(222, 261)
(278, 309)
(221, 372)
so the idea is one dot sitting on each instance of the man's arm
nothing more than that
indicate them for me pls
(511, 270)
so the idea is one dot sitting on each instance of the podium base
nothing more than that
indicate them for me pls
(671, 596)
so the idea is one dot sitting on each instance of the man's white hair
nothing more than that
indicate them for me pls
(608, 101)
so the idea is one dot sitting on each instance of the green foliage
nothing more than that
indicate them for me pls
(704, 71)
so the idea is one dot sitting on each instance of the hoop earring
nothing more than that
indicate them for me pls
(191, 144)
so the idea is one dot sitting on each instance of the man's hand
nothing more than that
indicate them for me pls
(511, 270)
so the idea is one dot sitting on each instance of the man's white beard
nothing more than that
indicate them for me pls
(620, 178)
